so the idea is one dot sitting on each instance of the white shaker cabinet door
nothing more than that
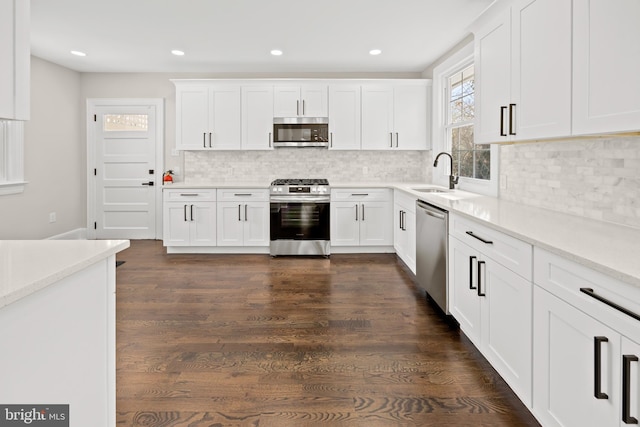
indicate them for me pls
(344, 117)
(230, 224)
(257, 117)
(541, 69)
(606, 66)
(192, 123)
(176, 225)
(375, 224)
(463, 293)
(203, 224)
(564, 357)
(345, 229)
(256, 224)
(493, 76)
(225, 117)
(377, 117)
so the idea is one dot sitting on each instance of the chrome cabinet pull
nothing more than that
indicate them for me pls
(502, 133)
(363, 211)
(331, 139)
(626, 388)
(269, 139)
(611, 304)
(204, 140)
(396, 139)
(303, 113)
(245, 212)
(512, 107)
(391, 139)
(597, 367)
(297, 108)
(488, 242)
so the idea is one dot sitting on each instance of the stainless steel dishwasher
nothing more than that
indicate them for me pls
(432, 228)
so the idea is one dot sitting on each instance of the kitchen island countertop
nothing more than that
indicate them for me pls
(27, 266)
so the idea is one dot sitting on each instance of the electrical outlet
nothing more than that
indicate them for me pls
(503, 182)
(52, 217)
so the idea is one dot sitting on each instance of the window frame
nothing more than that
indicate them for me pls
(457, 62)
(12, 158)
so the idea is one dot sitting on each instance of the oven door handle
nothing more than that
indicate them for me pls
(300, 199)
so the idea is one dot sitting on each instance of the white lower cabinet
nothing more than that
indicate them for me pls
(189, 218)
(585, 351)
(243, 217)
(493, 303)
(404, 226)
(361, 217)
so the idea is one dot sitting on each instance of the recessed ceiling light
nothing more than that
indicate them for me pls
(78, 53)
(177, 52)
(276, 52)
(375, 52)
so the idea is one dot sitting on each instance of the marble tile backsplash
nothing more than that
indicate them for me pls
(336, 166)
(597, 178)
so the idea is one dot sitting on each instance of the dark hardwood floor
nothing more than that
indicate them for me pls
(250, 340)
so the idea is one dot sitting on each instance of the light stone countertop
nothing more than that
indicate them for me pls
(605, 247)
(26, 266)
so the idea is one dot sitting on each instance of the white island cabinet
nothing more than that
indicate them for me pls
(58, 326)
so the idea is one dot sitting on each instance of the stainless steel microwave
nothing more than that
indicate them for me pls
(301, 132)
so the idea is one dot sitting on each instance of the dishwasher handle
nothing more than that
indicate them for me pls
(431, 210)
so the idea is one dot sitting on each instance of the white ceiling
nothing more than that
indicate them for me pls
(237, 35)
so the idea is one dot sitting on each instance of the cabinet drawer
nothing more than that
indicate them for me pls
(190, 195)
(564, 279)
(512, 253)
(243, 194)
(407, 202)
(360, 194)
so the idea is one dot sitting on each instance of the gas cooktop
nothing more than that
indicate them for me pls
(293, 181)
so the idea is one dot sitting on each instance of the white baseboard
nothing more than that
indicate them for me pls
(77, 234)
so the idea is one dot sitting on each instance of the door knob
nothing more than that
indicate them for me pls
(150, 183)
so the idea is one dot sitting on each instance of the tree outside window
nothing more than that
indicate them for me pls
(469, 159)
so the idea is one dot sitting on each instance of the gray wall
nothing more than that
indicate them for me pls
(54, 159)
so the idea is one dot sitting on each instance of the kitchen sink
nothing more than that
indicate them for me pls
(430, 190)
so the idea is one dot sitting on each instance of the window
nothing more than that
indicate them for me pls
(454, 96)
(469, 160)
(11, 157)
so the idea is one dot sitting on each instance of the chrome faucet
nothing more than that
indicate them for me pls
(453, 180)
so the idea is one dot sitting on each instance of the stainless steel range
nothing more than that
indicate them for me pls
(300, 217)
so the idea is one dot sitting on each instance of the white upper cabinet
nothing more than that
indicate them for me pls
(208, 117)
(15, 67)
(301, 101)
(344, 117)
(395, 117)
(606, 66)
(523, 66)
(235, 114)
(257, 117)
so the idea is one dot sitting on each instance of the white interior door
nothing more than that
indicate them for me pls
(125, 145)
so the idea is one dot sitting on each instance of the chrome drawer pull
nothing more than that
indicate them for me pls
(612, 304)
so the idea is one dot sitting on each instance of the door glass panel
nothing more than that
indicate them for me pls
(125, 122)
